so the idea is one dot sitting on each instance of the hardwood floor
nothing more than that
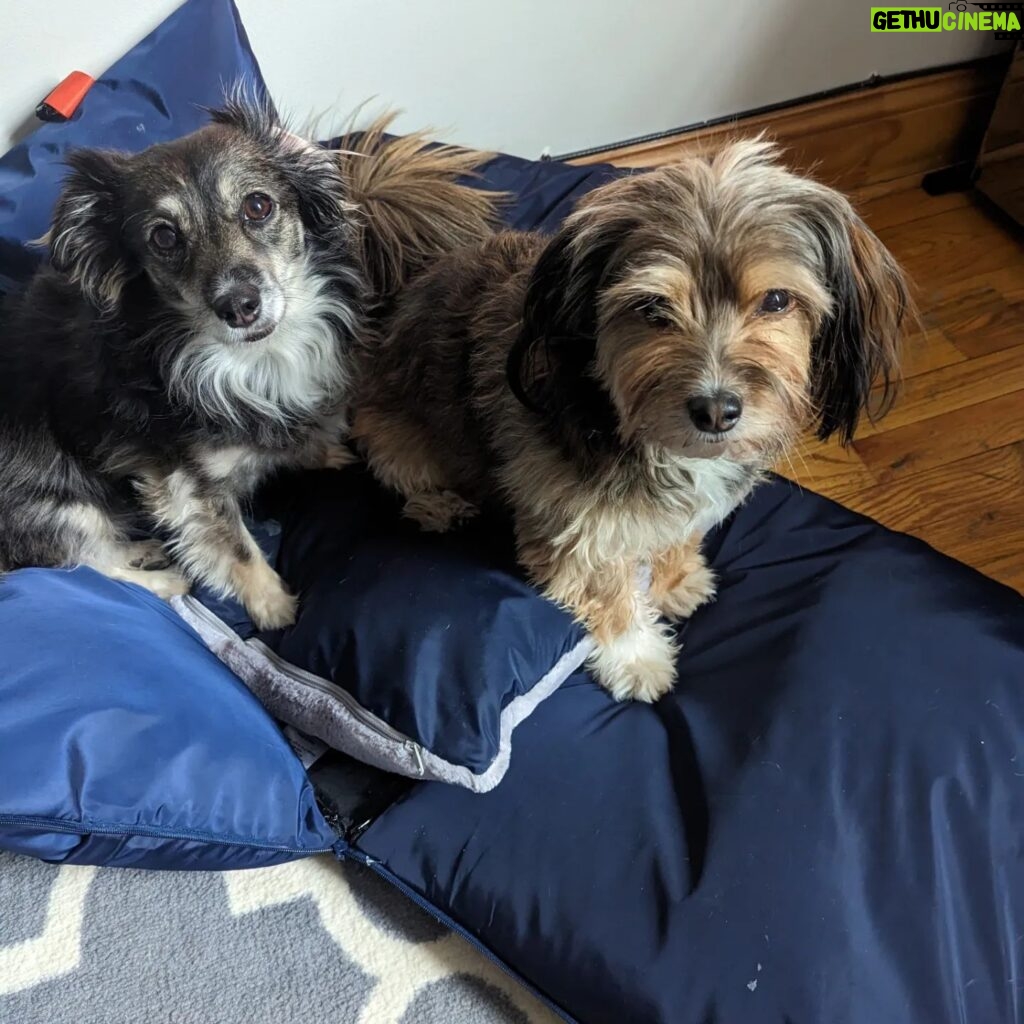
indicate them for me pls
(947, 464)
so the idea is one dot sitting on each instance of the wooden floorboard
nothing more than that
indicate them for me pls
(983, 321)
(927, 349)
(954, 387)
(898, 204)
(943, 250)
(948, 437)
(972, 509)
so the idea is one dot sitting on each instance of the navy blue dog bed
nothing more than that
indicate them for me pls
(823, 824)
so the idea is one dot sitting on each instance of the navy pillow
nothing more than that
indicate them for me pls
(418, 653)
(124, 741)
(155, 93)
(541, 193)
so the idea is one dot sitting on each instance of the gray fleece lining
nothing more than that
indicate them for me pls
(323, 709)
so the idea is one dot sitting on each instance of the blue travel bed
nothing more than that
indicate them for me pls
(823, 823)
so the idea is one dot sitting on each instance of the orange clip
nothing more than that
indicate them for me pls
(64, 100)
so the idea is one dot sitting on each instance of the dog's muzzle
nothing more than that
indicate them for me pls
(239, 306)
(715, 414)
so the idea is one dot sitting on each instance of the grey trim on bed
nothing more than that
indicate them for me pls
(321, 708)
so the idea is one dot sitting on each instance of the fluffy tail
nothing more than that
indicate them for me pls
(413, 207)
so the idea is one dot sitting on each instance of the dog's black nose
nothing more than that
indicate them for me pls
(717, 413)
(240, 306)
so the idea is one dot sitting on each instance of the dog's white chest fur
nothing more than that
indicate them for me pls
(682, 498)
(718, 487)
(297, 373)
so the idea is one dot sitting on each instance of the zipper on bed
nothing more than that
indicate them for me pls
(306, 678)
(310, 679)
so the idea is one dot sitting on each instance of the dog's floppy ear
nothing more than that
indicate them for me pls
(855, 358)
(86, 240)
(313, 172)
(550, 360)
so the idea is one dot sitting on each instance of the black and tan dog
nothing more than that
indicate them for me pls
(193, 333)
(626, 383)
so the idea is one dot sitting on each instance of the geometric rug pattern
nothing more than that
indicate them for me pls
(302, 943)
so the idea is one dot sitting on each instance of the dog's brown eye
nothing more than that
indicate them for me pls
(655, 310)
(775, 301)
(164, 237)
(257, 206)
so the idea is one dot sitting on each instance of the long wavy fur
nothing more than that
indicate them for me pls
(414, 206)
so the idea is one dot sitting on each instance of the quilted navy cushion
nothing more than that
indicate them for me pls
(124, 741)
(155, 93)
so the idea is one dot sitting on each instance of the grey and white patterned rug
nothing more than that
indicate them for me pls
(309, 942)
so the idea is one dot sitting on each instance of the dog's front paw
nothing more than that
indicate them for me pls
(637, 665)
(693, 590)
(274, 609)
(681, 581)
(438, 511)
(266, 598)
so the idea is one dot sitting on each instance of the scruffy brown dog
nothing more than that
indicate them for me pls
(626, 383)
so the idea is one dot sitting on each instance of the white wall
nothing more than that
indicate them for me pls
(517, 75)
